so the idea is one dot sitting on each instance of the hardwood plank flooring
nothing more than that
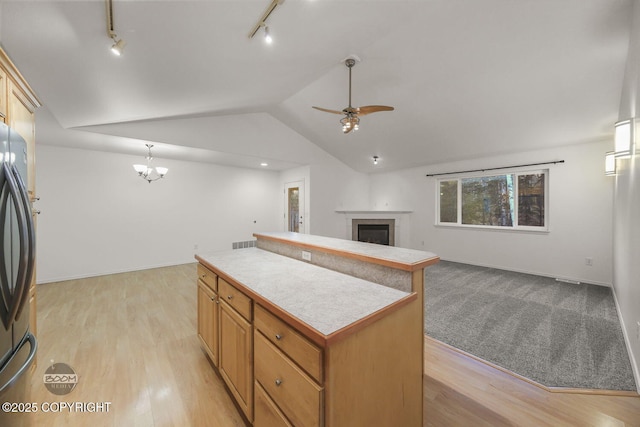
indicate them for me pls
(462, 391)
(131, 338)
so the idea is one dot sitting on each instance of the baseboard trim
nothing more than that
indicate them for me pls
(86, 276)
(627, 341)
(532, 382)
(533, 273)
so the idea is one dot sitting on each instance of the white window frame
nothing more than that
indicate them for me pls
(515, 226)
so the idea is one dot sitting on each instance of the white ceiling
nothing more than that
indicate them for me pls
(467, 78)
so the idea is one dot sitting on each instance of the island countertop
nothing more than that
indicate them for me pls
(325, 300)
(390, 256)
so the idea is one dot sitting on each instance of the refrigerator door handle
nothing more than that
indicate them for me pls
(5, 286)
(12, 301)
(30, 242)
(31, 339)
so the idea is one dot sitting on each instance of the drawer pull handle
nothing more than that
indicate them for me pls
(278, 382)
(278, 337)
(229, 296)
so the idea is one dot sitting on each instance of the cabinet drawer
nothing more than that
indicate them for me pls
(295, 393)
(287, 339)
(208, 277)
(235, 298)
(266, 413)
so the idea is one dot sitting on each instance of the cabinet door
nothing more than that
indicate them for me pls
(22, 119)
(208, 320)
(3, 96)
(236, 357)
(267, 413)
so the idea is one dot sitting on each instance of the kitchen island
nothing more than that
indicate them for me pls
(300, 341)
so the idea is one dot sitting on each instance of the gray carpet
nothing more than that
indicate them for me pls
(557, 334)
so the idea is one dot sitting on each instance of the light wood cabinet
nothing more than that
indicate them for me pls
(226, 334)
(297, 395)
(236, 299)
(236, 356)
(304, 345)
(17, 109)
(267, 413)
(208, 318)
(3, 95)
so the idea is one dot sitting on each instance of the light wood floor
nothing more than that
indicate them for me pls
(131, 338)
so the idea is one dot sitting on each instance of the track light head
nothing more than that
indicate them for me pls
(118, 46)
(267, 36)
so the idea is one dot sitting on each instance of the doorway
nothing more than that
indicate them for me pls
(294, 207)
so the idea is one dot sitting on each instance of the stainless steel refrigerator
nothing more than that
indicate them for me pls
(17, 239)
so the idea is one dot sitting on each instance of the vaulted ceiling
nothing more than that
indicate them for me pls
(467, 78)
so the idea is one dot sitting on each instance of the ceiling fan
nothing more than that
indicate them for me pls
(351, 119)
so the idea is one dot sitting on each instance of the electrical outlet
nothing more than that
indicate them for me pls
(588, 261)
(306, 256)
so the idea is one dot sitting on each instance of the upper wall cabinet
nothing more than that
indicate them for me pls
(3, 95)
(18, 103)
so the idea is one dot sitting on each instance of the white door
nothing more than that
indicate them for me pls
(294, 219)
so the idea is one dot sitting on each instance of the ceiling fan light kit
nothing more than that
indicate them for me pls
(351, 120)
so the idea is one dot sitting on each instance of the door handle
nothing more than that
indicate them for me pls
(31, 340)
(11, 191)
(30, 242)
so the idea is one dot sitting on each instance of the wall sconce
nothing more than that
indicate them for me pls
(625, 134)
(610, 163)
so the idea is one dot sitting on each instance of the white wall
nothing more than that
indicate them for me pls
(98, 217)
(335, 187)
(329, 186)
(580, 216)
(626, 243)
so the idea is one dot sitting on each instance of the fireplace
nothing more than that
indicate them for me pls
(379, 231)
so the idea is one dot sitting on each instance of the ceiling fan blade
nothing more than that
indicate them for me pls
(328, 111)
(368, 109)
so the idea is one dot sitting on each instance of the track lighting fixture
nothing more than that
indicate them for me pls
(117, 47)
(375, 160)
(267, 35)
(118, 44)
(262, 22)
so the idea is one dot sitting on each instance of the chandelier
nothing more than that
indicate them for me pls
(149, 173)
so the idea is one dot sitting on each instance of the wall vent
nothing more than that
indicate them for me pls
(245, 244)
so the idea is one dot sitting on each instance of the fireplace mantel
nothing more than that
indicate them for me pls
(370, 211)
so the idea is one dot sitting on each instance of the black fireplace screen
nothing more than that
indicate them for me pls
(374, 233)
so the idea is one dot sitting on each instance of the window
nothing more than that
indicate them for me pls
(509, 201)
